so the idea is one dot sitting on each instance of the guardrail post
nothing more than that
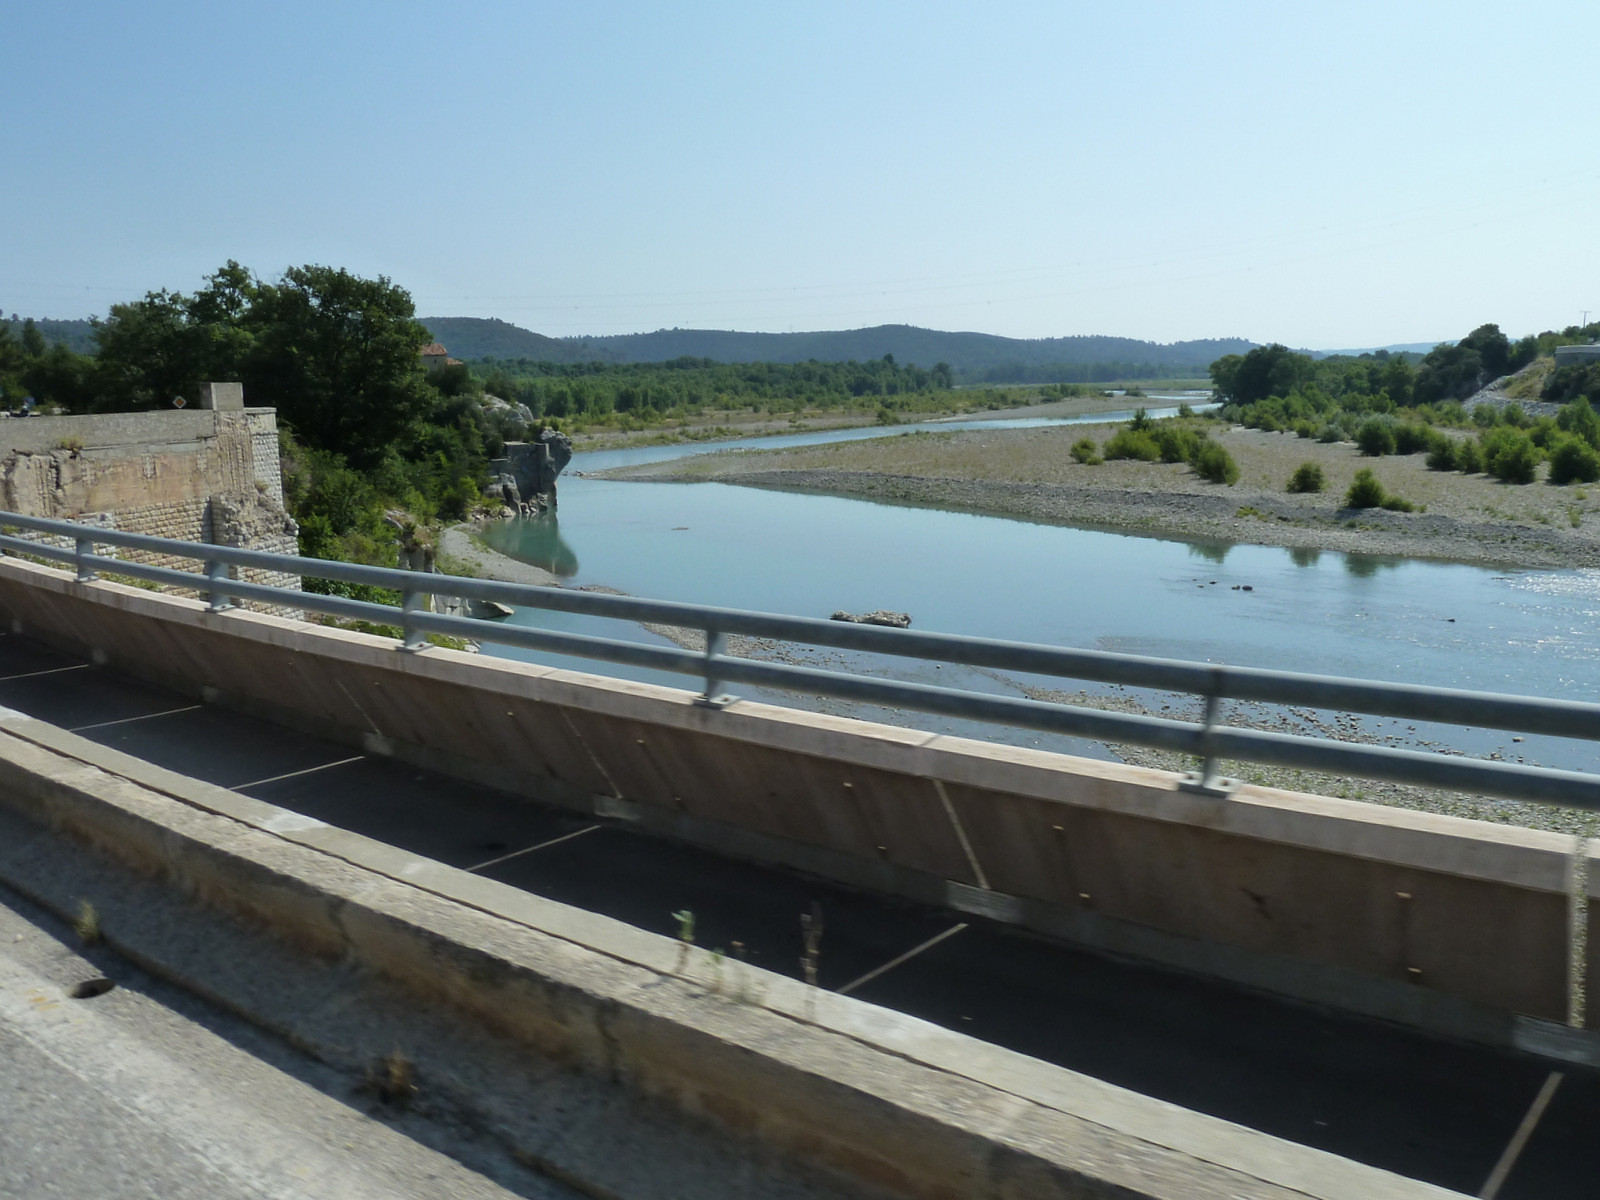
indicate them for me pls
(1205, 781)
(217, 597)
(716, 647)
(412, 602)
(86, 572)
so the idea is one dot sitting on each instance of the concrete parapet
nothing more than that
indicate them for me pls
(1442, 922)
(888, 1103)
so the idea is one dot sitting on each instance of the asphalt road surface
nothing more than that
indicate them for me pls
(1478, 1120)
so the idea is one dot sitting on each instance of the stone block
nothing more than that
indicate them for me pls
(222, 397)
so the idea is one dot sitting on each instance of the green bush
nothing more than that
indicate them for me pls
(1375, 437)
(1329, 434)
(1141, 420)
(1083, 450)
(1510, 455)
(1485, 416)
(1177, 443)
(1215, 465)
(1365, 491)
(1579, 418)
(1412, 437)
(1132, 443)
(1307, 477)
(1468, 457)
(1574, 461)
(1442, 453)
(1396, 504)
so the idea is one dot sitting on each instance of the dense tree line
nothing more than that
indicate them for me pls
(683, 386)
(1387, 405)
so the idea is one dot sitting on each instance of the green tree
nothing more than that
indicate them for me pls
(1273, 370)
(337, 354)
(32, 340)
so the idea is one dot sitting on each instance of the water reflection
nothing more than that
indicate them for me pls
(1365, 566)
(1305, 556)
(535, 540)
(1215, 552)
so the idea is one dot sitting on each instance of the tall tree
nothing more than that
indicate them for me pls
(337, 355)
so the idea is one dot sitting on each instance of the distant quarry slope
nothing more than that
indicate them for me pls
(971, 354)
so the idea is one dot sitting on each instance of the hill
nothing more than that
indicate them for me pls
(972, 355)
(78, 335)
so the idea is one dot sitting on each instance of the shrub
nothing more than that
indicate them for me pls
(1083, 451)
(1329, 434)
(1214, 464)
(1184, 410)
(1305, 429)
(1468, 456)
(1411, 437)
(1396, 504)
(1579, 418)
(1141, 420)
(1485, 416)
(1375, 437)
(1132, 443)
(1510, 455)
(1513, 414)
(1307, 477)
(1365, 490)
(1574, 461)
(1442, 453)
(1176, 442)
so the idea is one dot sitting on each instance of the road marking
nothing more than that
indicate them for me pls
(1519, 1139)
(906, 957)
(565, 837)
(296, 774)
(130, 720)
(51, 671)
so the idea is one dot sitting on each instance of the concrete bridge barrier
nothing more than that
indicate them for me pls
(1449, 924)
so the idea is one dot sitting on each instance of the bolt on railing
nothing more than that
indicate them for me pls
(1209, 740)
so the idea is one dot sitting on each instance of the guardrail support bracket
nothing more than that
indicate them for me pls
(716, 646)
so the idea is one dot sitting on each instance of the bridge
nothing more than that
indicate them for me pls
(881, 960)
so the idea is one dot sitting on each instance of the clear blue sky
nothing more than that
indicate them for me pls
(1326, 175)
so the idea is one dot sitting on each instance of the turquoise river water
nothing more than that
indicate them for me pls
(1448, 624)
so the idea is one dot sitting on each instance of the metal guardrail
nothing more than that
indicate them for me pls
(1207, 740)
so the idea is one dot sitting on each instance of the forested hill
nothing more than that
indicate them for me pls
(78, 335)
(974, 356)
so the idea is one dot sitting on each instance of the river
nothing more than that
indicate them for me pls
(1418, 621)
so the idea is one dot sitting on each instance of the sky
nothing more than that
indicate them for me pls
(1331, 175)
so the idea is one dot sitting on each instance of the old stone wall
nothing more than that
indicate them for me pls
(196, 476)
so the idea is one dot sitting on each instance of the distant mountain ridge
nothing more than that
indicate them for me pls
(971, 354)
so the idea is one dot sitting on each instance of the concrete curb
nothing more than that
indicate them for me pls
(884, 1099)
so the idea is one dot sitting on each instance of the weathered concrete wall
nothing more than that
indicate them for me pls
(669, 1080)
(1398, 913)
(200, 476)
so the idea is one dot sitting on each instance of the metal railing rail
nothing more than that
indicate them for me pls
(1208, 740)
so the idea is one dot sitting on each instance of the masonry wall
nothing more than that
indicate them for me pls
(196, 476)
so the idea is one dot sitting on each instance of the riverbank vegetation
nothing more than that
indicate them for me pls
(1387, 406)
